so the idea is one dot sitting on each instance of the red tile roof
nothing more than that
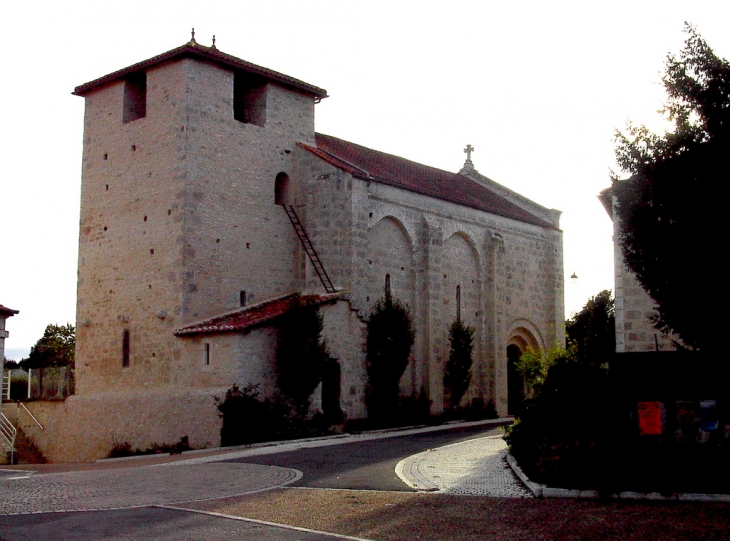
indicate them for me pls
(253, 315)
(7, 312)
(195, 50)
(377, 166)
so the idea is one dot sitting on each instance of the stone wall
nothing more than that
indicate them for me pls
(634, 309)
(178, 218)
(510, 274)
(85, 428)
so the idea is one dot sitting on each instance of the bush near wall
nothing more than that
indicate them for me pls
(248, 418)
(389, 341)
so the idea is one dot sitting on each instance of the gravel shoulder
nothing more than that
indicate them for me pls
(395, 516)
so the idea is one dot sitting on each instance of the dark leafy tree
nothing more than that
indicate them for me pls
(10, 364)
(457, 373)
(301, 352)
(57, 347)
(591, 333)
(670, 205)
(389, 342)
(245, 416)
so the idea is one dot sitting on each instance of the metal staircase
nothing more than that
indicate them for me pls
(311, 252)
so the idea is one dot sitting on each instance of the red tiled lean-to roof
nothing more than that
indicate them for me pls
(377, 166)
(7, 312)
(253, 315)
(196, 50)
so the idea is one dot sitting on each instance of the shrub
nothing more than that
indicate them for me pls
(533, 367)
(478, 410)
(457, 373)
(389, 341)
(564, 428)
(301, 353)
(248, 418)
(244, 416)
(122, 449)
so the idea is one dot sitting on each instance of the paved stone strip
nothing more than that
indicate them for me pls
(134, 487)
(476, 467)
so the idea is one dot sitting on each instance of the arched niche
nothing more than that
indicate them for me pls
(282, 190)
(389, 259)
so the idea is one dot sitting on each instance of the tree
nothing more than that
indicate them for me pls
(457, 373)
(389, 342)
(301, 353)
(57, 347)
(591, 333)
(534, 365)
(670, 204)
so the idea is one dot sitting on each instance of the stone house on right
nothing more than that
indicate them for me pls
(634, 307)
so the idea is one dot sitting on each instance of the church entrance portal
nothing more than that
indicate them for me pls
(515, 384)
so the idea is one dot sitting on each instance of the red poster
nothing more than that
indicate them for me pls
(650, 418)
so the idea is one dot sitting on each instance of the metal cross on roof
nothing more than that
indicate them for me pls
(468, 150)
(192, 34)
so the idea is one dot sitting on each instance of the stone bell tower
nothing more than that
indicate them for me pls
(178, 215)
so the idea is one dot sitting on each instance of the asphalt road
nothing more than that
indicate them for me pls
(145, 523)
(363, 465)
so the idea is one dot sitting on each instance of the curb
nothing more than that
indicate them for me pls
(386, 432)
(407, 471)
(544, 491)
(223, 449)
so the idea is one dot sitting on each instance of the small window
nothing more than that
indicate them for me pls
(125, 348)
(135, 97)
(242, 298)
(207, 354)
(458, 303)
(387, 286)
(249, 99)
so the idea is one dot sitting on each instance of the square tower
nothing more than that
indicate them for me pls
(178, 215)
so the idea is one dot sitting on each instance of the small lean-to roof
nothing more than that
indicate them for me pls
(255, 314)
(7, 312)
(383, 168)
(193, 49)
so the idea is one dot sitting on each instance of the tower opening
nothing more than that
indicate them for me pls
(249, 99)
(135, 97)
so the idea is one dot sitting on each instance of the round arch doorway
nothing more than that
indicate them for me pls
(522, 337)
(515, 383)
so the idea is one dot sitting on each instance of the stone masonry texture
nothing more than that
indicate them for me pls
(179, 223)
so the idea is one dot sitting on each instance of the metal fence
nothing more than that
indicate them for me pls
(40, 383)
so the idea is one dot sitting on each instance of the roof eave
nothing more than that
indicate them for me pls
(195, 50)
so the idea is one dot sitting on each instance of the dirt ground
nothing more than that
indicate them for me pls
(395, 516)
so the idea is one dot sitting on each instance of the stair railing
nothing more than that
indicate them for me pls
(24, 408)
(309, 248)
(8, 433)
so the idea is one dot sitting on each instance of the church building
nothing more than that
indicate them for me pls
(208, 200)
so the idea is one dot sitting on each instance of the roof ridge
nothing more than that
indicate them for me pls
(210, 53)
(430, 181)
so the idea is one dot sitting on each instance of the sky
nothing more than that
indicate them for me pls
(537, 88)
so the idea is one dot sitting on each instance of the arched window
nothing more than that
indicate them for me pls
(281, 189)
